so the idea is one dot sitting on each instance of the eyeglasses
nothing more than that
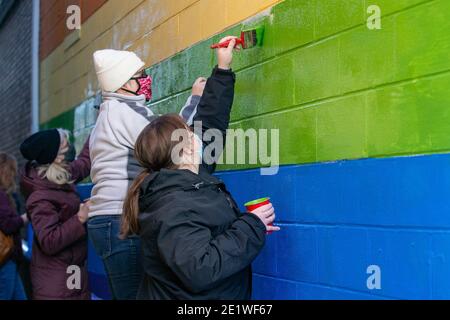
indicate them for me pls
(142, 74)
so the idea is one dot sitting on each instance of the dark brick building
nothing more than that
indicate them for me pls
(15, 74)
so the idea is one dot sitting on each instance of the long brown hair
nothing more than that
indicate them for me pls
(8, 172)
(153, 150)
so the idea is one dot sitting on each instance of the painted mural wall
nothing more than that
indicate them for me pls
(363, 117)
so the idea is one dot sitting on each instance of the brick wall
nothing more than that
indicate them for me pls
(15, 79)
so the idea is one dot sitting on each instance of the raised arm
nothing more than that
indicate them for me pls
(190, 108)
(214, 108)
(81, 167)
(215, 105)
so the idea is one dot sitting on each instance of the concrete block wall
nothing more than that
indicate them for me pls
(154, 29)
(363, 117)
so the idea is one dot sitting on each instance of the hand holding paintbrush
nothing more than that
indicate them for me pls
(225, 55)
(248, 39)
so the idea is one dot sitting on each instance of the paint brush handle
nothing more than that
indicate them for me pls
(225, 44)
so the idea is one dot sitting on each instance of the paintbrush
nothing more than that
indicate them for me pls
(249, 39)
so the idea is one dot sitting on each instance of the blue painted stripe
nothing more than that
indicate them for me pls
(268, 288)
(98, 284)
(338, 218)
(390, 192)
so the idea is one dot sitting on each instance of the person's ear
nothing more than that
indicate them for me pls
(134, 84)
(127, 85)
(188, 150)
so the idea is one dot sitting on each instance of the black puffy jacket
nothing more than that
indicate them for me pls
(195, 242)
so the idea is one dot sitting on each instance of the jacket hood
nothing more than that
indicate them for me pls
(166, 180)
(30, 181)
(138, 100)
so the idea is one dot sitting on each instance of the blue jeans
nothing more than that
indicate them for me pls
(121, 257)
(11, 287)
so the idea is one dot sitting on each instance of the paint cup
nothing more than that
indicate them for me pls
(255, 204)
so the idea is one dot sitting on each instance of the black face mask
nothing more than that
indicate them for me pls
(71, 154)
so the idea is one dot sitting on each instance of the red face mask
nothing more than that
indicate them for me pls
(145, 87)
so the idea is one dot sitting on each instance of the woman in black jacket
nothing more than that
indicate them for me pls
(195, 242)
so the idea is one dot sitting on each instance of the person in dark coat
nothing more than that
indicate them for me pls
(195, 242)
(59, 254)
(11, 286)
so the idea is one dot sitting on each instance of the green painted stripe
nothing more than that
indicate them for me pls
(334, 88)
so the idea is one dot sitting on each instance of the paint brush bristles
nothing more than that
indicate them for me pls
(252, 37)
(249, 39)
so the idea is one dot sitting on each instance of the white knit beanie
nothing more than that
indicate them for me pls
(114, 68)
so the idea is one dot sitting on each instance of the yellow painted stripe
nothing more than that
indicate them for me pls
(154, 29)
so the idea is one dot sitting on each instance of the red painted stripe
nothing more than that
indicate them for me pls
(53, 21)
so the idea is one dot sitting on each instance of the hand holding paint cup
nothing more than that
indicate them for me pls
(264, 210)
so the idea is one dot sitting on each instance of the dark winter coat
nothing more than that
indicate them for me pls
(60, 239)
(195, 242)
(10, 225)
